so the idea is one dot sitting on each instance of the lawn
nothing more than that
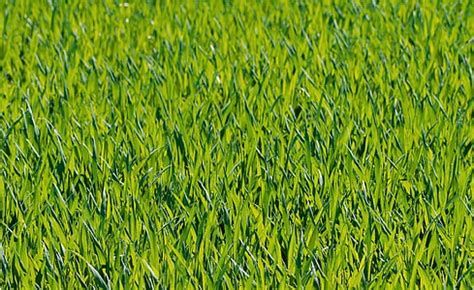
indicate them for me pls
(236, 144)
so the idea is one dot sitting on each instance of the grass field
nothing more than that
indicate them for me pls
(236, 144)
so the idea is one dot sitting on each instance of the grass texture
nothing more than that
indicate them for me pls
(236, 144)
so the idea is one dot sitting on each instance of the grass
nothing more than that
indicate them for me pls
(236, 144)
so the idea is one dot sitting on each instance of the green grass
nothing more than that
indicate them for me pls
(236, 144)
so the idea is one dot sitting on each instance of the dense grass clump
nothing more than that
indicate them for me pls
(236, 144)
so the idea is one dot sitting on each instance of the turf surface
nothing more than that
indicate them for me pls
(236, 144)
